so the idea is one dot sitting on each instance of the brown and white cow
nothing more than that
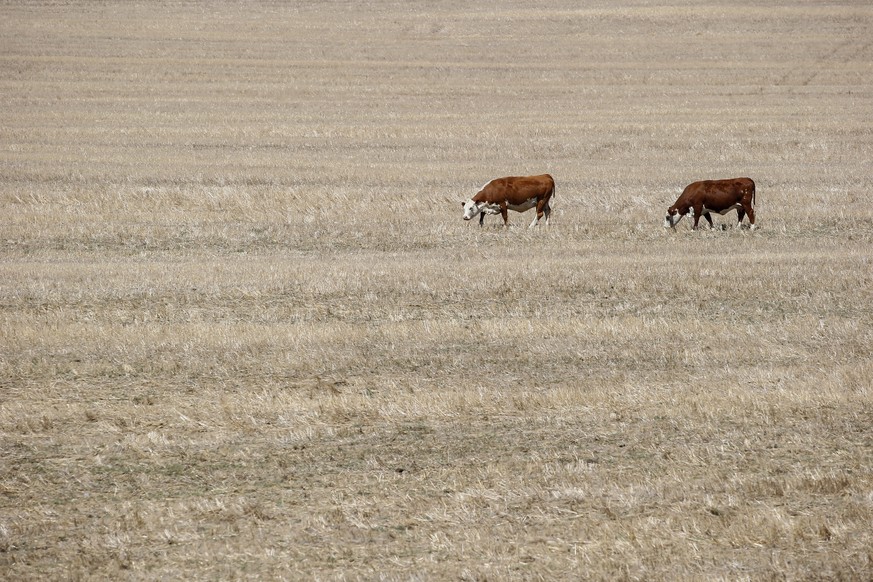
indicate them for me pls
(514, 193)
(720, 196)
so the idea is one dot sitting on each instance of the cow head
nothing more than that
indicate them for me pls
(673, 217)
(471, 208)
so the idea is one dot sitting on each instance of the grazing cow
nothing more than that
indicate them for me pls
(515, 193)
(719, 196)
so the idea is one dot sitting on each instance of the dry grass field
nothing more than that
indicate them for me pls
(245, 333)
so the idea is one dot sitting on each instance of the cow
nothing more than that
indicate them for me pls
(720, 196)
(513, 193)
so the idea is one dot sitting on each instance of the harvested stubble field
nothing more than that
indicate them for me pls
(244, 332)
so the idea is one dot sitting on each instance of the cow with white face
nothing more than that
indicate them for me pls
(513, 193)
(720, 196)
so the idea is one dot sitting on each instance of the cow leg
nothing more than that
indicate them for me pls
(697, 213)
(538, 213)
(543, 210)
(505, 214)
(481, 218)
(709, 220)
(740, 215)
(751, 212)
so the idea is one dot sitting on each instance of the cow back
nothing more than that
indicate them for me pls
(718, 194)
(516, 189)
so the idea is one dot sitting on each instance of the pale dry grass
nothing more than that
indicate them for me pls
(244, 332)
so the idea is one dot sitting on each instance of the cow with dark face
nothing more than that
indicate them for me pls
(720, 196)
(514, 193)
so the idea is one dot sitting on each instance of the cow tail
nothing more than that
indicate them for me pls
(753, 194)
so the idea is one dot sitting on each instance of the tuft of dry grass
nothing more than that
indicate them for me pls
(244, 332)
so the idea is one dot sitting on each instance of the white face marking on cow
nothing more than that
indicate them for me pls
(471, 209)
(672, 220)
